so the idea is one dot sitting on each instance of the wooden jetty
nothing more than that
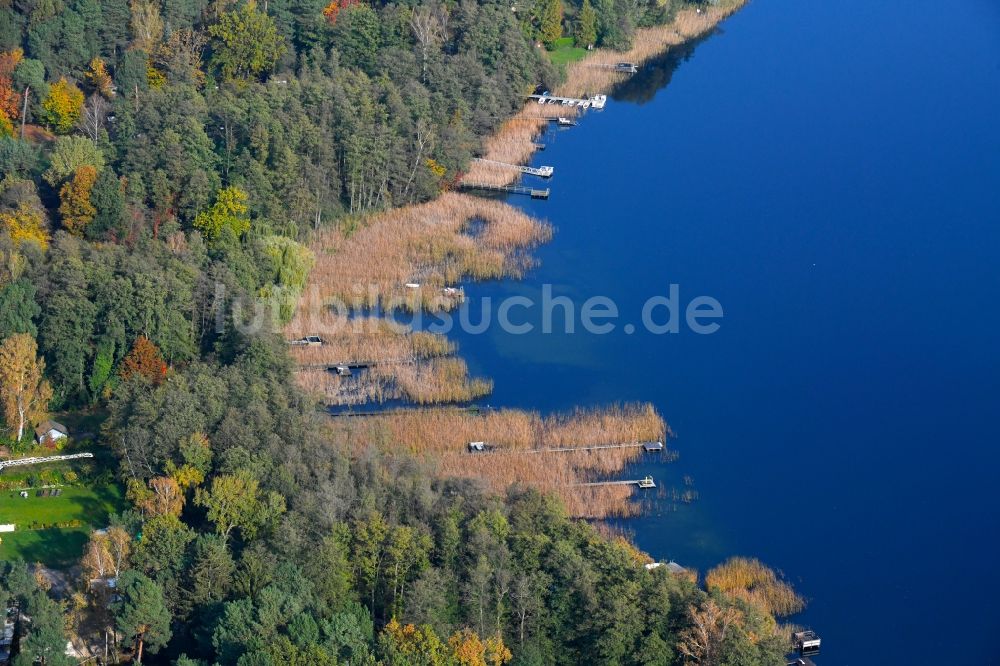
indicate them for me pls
(649, 447)
(623, 67)
(344, 368)
(542, 171)
(509, 189)
(594, 101)
(644, 483)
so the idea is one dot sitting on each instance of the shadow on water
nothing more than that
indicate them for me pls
(655, 74)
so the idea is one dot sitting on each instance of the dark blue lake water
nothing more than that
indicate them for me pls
(830, 173)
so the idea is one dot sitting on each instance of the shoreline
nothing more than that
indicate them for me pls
(411, 256)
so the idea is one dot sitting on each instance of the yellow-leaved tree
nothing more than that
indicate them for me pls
(63, 105)
(24, 392)
(75, 207)
(25, 225)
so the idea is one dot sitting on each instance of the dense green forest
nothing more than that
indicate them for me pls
(163, 161)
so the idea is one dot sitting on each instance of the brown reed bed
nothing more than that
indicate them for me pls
(428, 382)
(521, 438)
(370, 339)
(447, 431)
(749, 579)
(430, 245)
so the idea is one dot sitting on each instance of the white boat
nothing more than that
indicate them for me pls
(566, 122)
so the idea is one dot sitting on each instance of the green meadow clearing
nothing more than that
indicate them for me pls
(55, 546)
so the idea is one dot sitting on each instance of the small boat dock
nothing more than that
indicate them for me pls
(592, 102)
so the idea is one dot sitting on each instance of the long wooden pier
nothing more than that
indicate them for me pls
(355, 365)
(648, 446)
(542, 171)
(645, 482)
(509, 189)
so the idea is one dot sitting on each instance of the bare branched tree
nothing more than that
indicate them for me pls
(701, 643)
(93, 116)
(430, 26)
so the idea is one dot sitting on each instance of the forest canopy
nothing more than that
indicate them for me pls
(162, 161)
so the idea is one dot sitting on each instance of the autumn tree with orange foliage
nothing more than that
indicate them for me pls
(75, 206)
(470, 650)
(332, 10)
(10, 99)
(145, 360)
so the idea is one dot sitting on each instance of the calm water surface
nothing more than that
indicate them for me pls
(830, 172)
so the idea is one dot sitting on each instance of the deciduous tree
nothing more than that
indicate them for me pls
(145, 360)
(25, 225)
(75, 207)
(227, 216)
(24, 392)
(246, 43)
(62, 106)
(235, 501)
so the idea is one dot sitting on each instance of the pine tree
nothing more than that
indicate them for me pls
(552, 21)
(586, 26)
(142, 615)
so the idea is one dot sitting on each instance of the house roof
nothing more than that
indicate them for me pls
(48, 426)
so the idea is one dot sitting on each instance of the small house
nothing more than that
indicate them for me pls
(50, 432)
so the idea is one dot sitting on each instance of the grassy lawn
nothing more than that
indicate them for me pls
(564, 52)
(55, 546)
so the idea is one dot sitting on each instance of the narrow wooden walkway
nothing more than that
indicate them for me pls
(509, 189)
(542, 171)
(645, 482)
(648, 446)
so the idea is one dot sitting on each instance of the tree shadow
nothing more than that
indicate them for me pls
(656, 74)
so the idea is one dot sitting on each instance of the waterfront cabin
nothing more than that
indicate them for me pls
(652, 447)
(50, 432)
(626, 67)
(806, 642)
(647, 482)
(342, 370)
